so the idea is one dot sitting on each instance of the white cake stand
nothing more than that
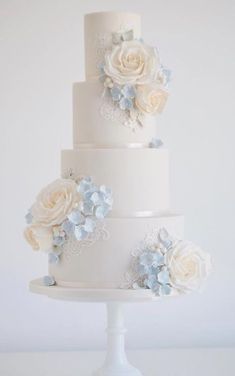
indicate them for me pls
(116, 363)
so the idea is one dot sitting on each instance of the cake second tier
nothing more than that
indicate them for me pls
(138, 177)
(97, 123)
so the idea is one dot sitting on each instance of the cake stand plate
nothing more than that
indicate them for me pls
(116, 363)
(91, 295)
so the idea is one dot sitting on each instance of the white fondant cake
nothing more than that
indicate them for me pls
(107, 222)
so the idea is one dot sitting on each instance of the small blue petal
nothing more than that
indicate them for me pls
(151, 282)
(76, 217)
(101, 68)
(29, 218)
(87, 208)
(96, 198)
(167, 75)
(146, 258)
(136, 286)
(53, 258)
(89, 225)
(101, 211)
(107, 191)
(158, 259)
(80, 233)
(128, 91)
(155, 143)
(163, 276)
(68, 227)
(116, 93)
(156, 289)
(164, 238)
(125, 104)
(143, 270)
(48, 280)
(165, 290)
(84, 185)
(58, 241)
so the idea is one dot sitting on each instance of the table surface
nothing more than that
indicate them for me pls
(164, 362)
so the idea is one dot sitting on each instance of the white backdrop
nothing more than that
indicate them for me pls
(41, 55)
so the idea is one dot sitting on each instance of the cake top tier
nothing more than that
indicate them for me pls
(99, 29)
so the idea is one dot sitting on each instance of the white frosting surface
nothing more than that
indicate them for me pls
(93, 123)
(98, 29)
(138, 177)
(104, 264)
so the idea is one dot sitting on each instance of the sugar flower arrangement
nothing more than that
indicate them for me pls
(168, 266)
(66, 207)
(133, 77)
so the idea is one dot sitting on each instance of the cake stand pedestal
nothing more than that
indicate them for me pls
(116, 363)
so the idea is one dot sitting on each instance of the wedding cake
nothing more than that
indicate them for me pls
(106, 223)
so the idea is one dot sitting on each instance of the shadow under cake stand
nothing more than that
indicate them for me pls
(116, 363)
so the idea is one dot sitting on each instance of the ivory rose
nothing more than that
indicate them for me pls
(132, 62)
(39, 237)
(150, 99)
(55, 202)
(189, 266)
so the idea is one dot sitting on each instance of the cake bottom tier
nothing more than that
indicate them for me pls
(103, 261)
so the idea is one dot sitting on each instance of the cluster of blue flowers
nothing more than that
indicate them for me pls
(152, 269)
(124, 96)
(95, 204)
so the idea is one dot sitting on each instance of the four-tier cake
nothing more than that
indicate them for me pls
(107, 223)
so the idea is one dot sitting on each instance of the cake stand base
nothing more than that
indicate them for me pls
(116, 363)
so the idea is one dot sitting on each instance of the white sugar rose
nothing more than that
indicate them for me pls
(150, 99)
(132, 62)
(189, 266)
(55, 202)
(39, 237)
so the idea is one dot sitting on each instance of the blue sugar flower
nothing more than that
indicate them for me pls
(81, 232)
(107, 195)
(152, 284)
(89, 225)
(167, 75)
(165, 238)
(102, 210)
(152, 258)
(125, 103)
(165, 289)
(163, 276)
(155, 143)
(29, 217)
(85, 185)
(146, 258)
(101, 70)
(95, 204)
(152, 270)
(53, 258)
(76, 217)
(87, 208)
(58, 241)
(116, 93)
(128, 91)
(96, 198)
(48, 280)
(68, 227)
